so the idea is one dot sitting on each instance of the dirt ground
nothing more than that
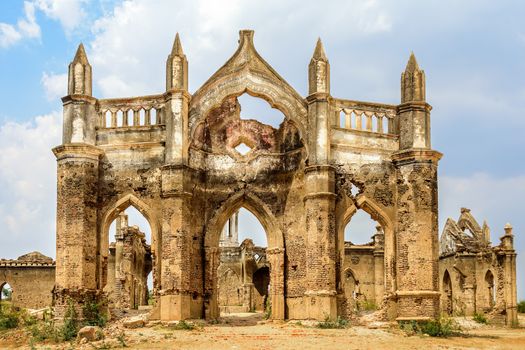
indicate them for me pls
(249, 331)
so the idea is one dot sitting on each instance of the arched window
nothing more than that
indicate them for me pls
(490, 289)
(447, 293)
(360, 229)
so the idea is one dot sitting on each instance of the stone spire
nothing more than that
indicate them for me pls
(79, 77)
(507, 240)
(412, 82)
(319, 71)
(177, 67)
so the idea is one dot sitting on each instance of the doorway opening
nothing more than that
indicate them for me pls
(243, 273)
(6, 292)
(362, 277)
(130, 261)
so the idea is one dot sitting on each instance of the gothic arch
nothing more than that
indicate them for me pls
(275, 251)
(110, 214)
(377, 214)
(448, 295)
(247, 71)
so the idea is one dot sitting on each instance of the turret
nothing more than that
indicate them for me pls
(414, 112)
(319, 71)
(79, 77)
(177, 67)
(80, 117)
(412, 82)
(507, 240)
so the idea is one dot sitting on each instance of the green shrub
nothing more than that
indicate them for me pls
(70, 327)
(521, 307)
(441, 327)
(183, 325)
(10, 317)
(339, 323)
(93, 315)
(367, 305)
(480, 318)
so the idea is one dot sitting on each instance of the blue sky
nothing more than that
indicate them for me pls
(473, 54)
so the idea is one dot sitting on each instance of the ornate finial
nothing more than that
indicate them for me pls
(319, 71)
(79, 77)
(177, 67)
(246, 36)
(508, 229)
(412, 82)
(81, 56)
(319, 53)
(412, 65)
(465, 210)
(177, 47)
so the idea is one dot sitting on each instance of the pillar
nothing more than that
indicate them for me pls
(77, 187)
(319, 200)
(509, 275)
(417, 203)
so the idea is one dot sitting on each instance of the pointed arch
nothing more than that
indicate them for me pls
(275, 251)
(257, 207)
(247, 72)
(110, 214)
(447, 290)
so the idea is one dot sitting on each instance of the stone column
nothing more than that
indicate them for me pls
(319, 203)
(76, 236)
(211, 304)
(276, 258)
(509, 276)
(177, 244)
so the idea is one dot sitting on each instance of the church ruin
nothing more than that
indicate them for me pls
(174, 156)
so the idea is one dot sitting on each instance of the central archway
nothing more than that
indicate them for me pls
(275, 252)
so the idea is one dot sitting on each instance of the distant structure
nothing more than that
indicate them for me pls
(475, 276)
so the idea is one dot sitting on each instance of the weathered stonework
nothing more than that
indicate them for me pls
(173, 157)
(31, 277)
(476, 277)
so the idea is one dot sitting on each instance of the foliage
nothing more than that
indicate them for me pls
(10, 317)
(70, 327)
(339, 323)
(151, 298)
(7, 293)
(441, 327)
(480, 318)
(93, 315)
(183, 325)
(521, 307)
(122, 340)
(367, 305)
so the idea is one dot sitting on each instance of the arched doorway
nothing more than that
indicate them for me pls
(6, 292)
(448, 306)
(362, 253)
(250, 265)
(243, 272)
(128, 247)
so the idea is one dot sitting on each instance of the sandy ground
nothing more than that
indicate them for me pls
(248, 331)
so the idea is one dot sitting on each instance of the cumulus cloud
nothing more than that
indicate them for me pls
(55, 85)
(69, 13)
(27, 179)
(26, 27)
(132, 52)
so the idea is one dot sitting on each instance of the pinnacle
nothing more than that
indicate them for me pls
(81, 56)
(319, 53)
(412, 65)
(177, 47)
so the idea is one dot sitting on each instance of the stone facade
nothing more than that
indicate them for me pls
(31, 277)
(173, 157)
(475, 276)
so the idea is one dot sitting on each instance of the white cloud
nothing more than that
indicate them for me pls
(26, 27)
(133, 51)
(55, 85)
(70, 13)
(27, 179)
